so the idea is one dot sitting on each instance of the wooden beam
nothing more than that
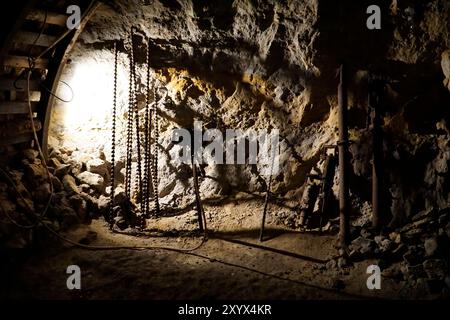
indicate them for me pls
(6, 45)
(22, 62)
(16, 107)
(7, 84)
(34, 38)
(22, 138)
(52, 17)
(18, 126)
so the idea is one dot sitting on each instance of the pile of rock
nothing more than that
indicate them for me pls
(76, 190)
(418, 252)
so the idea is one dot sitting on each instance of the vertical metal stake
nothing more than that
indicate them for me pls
(343, 159)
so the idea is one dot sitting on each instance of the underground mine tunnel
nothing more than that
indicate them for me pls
(246, 149)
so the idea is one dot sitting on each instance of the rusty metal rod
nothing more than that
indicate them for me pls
(198, 202)
(377, 148)
(343, 159)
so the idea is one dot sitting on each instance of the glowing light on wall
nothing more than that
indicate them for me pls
(91, 82)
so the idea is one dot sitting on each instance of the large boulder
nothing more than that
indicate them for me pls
(69, 184)
(97, 166)
(93, 179)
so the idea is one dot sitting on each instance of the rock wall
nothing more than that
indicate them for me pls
(250, 64)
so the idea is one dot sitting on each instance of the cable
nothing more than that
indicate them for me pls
(72, 95)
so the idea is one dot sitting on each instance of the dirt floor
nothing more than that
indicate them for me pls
(231, 264)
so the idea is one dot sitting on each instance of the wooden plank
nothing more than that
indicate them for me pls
(7, 84)
(52, 17)
(6, 45)
(22, 62)
(34, 38)
(16, 107)
(22, 138)
(19, 126)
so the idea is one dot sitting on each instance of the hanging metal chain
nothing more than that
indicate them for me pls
(138, 181)
(130, 122)
(155, 153)
(147, 131)
(113, 137)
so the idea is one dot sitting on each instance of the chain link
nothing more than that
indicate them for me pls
(129, 126)
(155, 153)
(113, 137)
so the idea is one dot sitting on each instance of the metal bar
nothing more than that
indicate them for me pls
(377, 149)
(263, 221)
(198, 202)
(343, 159)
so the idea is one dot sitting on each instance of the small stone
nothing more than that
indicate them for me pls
(54, 162)
(396, 237)
(435, 268)
(91, 202)
(378, 239)
(337, 284)
(431, 246)
(69, 184)
(94, 180)
(331, 264)
(103, 203)
(69, 218)
(119, 195)
(97, 166)
(30, 154)
(79, 205)
(42, 193)
(362, 244)
(416, 272)
(393, 272)
(365, 233)
(90, 237)
(62, 170)
(412, 257)
(35, 172)
(342, 263)
(57, 185)
(385, 245)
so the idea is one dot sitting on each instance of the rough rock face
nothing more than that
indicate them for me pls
(249, 64)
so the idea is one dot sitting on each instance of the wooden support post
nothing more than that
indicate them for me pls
(343, 159)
